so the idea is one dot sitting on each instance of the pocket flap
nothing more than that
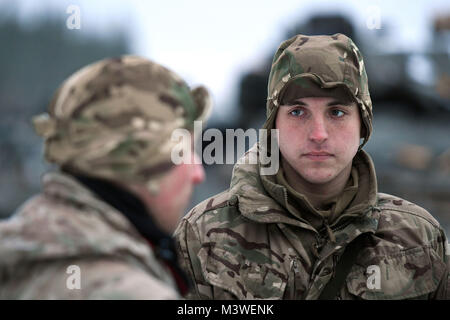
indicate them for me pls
(406, 275)
(240, 276)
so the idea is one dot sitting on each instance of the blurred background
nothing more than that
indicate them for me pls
(228, 46)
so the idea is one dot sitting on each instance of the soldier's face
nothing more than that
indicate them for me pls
(318, 138)
(175, 192)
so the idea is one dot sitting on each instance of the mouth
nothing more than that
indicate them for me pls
(318, 156)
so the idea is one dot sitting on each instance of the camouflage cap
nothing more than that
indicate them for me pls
(319, 66)
(113, 119)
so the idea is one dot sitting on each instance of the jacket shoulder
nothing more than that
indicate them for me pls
(407, 224)
(219, 211)
(220, 200)
(388, 202)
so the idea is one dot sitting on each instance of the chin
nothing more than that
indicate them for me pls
(318, 177)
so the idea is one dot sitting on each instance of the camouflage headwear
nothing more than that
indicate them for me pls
(113, 119)
(330, 63)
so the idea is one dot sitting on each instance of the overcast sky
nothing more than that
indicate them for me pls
(212, 41)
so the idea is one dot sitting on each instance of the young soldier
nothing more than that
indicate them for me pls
(318, 229)
(100, 228)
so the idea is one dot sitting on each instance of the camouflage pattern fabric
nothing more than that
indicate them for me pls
(249, 242)
(111, 120)
(67, 225)
(333, 63)
(244, 244)
(114, 119)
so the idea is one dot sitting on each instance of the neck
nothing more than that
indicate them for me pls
(319, 195)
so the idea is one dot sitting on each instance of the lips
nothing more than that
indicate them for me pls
(318, 155)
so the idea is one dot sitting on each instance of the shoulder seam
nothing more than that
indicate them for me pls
(222, 204)
(412, 213)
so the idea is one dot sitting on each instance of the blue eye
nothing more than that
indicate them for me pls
(296, 112)
(337, 113)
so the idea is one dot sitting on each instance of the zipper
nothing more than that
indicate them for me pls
(348, 215)
(330, 233)
(286, 205)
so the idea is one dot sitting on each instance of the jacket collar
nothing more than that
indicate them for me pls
(122, 211)
(262, 200)
(138, 215)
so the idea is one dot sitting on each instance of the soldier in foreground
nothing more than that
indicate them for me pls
(100, 228)
(318, 228)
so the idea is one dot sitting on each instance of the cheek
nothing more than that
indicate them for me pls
(348, 137)
(288, 135)
(182, 177)
(174, 184)
(285, 143)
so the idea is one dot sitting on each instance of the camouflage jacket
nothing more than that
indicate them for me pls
(64, 226)
(244, 244)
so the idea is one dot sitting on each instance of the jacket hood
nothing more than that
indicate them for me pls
(319, 66)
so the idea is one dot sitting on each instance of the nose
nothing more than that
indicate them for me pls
(318, 131)
(198, 174)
